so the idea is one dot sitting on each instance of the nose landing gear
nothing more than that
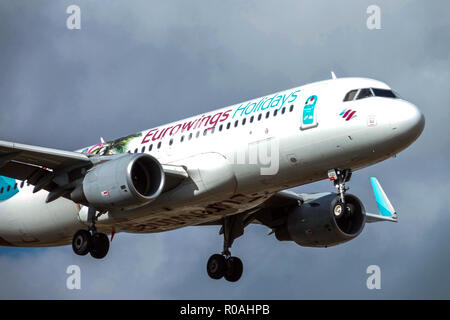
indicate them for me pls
(339, 177)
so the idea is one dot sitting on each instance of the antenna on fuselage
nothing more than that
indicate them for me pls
(333, 76)
(102, 140)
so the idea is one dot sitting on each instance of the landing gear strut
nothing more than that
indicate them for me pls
(224, 265)
(339, 177)
(90, 241)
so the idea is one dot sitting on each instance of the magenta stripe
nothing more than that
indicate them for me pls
(346, 113)
(350, 115)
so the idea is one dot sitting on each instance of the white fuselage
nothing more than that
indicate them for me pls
(237, 156)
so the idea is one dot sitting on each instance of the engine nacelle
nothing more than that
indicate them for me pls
(317, 224)
(130, 180)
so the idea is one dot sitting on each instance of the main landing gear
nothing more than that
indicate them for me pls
(224, 265)
(339, 177)
(90, 241)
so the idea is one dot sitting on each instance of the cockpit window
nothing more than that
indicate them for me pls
(364, 93)
(383, 93)
(369, 92)
(350, 95)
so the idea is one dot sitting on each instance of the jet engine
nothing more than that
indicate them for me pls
(324, 222)
(126, 181)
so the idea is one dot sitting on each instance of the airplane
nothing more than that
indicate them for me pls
(230, 168)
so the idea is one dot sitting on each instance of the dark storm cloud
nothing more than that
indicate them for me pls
(138, 64)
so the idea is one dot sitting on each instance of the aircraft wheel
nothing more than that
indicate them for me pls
(100, 245)
(338, 210)
(234, 269)
(81, 242)
(216, 266)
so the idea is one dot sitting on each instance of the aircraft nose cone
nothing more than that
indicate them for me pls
(410, 122)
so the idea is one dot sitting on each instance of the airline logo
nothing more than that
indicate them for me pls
(209, 121)
(206, 121)
(348, 114)
(276, 101)
(308, 110)
(309, 117)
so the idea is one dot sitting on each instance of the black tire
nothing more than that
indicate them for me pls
(100, 245)
(216, 266)
(234, 269)
(81, 242)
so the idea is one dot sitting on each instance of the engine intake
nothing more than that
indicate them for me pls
(321, 223)
(130, 180)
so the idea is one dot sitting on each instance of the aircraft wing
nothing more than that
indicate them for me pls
(32, 163)
(50, 169)
(273, 211)
(285, 199)
(39, 156)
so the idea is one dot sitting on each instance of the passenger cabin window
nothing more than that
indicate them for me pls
(350, 95)
(364, 93)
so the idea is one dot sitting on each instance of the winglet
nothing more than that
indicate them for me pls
(385, 208)
(333, 76)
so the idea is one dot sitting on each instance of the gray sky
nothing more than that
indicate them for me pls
(138, 64)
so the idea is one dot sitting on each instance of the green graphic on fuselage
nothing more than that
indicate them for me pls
(114, 147)
(8, 188)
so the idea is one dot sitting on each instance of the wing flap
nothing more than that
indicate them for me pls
(18, 171)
